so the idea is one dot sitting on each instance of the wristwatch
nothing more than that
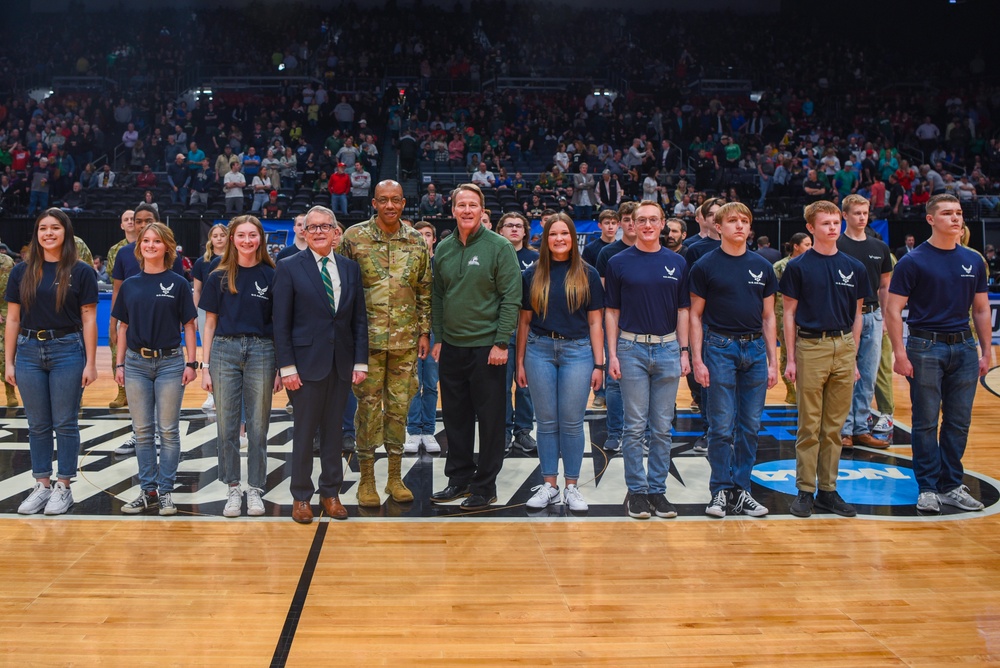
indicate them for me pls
(193, 365)
(502, 346)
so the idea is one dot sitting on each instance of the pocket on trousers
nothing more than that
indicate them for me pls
(918, 345)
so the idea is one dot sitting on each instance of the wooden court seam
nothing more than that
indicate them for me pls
(299, 599)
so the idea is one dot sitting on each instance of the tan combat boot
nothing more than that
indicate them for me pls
(121, 401)
(12, 401)
(395, 487)
(367, 494)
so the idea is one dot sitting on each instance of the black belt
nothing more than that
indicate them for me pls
(553, 335)
(154, 353)
(869, 308)
(752, 336)
(828, 334)
(46, 334)
(942, 337)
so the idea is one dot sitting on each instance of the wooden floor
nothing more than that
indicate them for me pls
(859, 592)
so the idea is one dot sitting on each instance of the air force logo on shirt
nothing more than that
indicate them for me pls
(261, 291)
(755, 279)
(670, 273)
(165, 291)
(968, 271)
(845, 279)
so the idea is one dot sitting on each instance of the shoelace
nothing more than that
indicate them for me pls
(745, 501)
(720, 499)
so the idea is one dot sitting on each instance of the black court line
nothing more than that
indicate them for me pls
(982, 381)
(299, 599)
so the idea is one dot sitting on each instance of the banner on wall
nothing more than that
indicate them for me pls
(277, 233)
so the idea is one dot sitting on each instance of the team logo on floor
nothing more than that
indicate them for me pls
(879, 483)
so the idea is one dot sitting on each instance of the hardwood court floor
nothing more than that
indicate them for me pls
(862, 592)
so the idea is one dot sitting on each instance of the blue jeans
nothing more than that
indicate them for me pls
(338, 203)
(154, 391)
(242, 369)
(49, 374)
(869, 357)
(650, 375)
(944, 383)
(560, 370)
(38, 200)
(765, 186)
(520, 411)
(615, 414)
(738, 376)
(422, 417)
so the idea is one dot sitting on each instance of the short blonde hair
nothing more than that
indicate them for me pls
(852, 200)
(733, 208)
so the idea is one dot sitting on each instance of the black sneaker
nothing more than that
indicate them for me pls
(638, 506)
(661, 507)
(526, 443)
(145, 502)
(831, 501)
(349, 443)
(802, 506)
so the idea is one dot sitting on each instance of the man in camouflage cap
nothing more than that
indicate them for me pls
(396, 273)
(6, 264)
(128, 227)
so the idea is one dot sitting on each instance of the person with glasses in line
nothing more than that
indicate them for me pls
(51, 348)
(238, 343)
(560, 350)
(396, 276)
(520, 411)
(321, 348)
(152, 309)
(646, 325)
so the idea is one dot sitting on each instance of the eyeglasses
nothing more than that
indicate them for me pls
(512, 226)
(385, 200)
(324, 227)
(647, 221)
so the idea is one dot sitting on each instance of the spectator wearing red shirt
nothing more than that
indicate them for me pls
(146, 178)
(340, 188)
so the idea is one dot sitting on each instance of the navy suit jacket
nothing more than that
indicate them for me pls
(306, 332)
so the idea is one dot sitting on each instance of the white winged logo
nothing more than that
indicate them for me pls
(670, 272)
(756, 277)
(968, 269)
(847, 277)
(166, 288)
(261, 291)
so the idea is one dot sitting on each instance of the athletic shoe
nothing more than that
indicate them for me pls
(60, 501)
(167, 506)
(412, 444)
(288, 408)
(960, 498)
(244, 443)
(526, 443)
(701, 445)
(127, 448)
(695, 407)
(430, 443)
(600, 402)
(638, 506)
(802, 506)
(350, 444)
(573, 499)
(661, 507)
(146, 501)
(36, 501)
(544, 495)
(255, 504)
(747, 505)
(833, 502)
(613, 445)
(717, 508)
(884, 425)
(928, 502)
(508, 444)
(234, 502)
(209, 404)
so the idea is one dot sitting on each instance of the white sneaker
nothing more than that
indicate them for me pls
(430, 443)
(960, 498)
(244, 442)
(36, 501)
(209, 404)
(255, 504)
(748, 505)
(928, 502)
(720, 502)
(234, 502)
(60, 501)
(544, 496)
(884, 425)
(412, 444)
(573, 499)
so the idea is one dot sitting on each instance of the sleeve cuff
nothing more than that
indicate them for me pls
(290, 370)
(363, 368)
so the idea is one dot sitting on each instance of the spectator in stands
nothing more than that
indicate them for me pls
(40, 178)
(146, 178)
(583, 193)
(348, 153)
(684, 209)
(251, 162)
(343, 112)
(261, 186)
(483, 177)
(147, 198)
(361, 182)
(432, 204)
(75, 201)
(200, 183)
(339, 187)
(233, 185)
(106, 179)
(271, 166)
(179, 179)
(812, 188)
(272, 209)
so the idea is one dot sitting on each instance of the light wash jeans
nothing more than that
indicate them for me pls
(155, 392)
(869, 356)
(422, 418)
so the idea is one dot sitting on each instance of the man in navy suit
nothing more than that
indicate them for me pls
(320, 349)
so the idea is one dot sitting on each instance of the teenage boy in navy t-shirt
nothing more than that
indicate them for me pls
(733, 351)
(941, 280)
(823, 290)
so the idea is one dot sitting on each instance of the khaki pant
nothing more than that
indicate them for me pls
(384, 401)
(824, 385)
(883, 382)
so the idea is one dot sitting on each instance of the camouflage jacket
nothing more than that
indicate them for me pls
(6, 264)
(396, 272)
(83, 253)
(109, 261)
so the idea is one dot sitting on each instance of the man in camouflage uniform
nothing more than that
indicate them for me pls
(128, 227)
(6, 264)
(396, 273)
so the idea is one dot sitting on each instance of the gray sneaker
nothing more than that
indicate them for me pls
(255, 504)
(36, 501)
(167, 506)
(700, 446)
(960, 498)
(525, 443)
(60, 501)
(927, 502)
(613, 445)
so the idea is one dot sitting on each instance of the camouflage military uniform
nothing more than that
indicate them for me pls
(779, 315)
(110, 264)
(396, 272)
(6, 264)
(83, 253)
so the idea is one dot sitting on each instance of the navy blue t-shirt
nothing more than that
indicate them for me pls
(155, 307)
(248, 312)
(559, 319)
(827, 288)
(43, 313)
(608, 252)
(647, 288)
(127, 266)
(940, 286)
(526, 257)
(734, 288)
(199, 271)
(288, 251)
(699, 250)
(872, 253)
(592, 250)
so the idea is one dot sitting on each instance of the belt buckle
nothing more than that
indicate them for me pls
(39, 333)
(152, 354)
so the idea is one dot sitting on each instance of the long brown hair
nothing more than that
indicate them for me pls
(229, 265)
(36, 260)
(577, 285)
